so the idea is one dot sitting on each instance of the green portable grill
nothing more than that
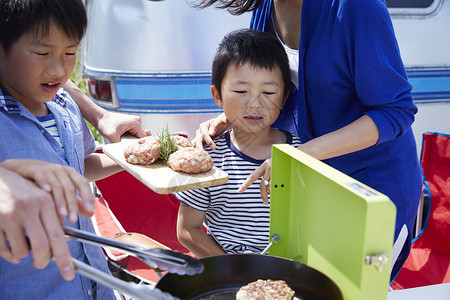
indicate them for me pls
(331, 222)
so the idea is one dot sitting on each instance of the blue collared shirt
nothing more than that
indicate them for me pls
(21, 136)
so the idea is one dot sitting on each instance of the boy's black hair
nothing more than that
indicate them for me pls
(258, 48)
(19, 17)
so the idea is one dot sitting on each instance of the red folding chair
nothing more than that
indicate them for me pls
(429, 260)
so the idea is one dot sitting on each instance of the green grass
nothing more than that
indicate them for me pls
(78, 79)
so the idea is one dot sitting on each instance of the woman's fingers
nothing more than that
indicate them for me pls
(263, 173)
(202, 135)
(262, 170)
(113, 125)
(264, 187)
(209, 129)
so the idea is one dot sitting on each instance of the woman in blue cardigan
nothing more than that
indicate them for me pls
(350, 100)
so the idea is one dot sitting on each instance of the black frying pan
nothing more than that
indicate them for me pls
(230, 272)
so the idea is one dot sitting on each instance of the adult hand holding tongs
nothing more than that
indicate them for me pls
(163, 259)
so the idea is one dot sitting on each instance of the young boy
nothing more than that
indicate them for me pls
(250, 81)
(38, 44)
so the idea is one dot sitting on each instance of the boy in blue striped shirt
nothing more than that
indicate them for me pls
(250, 81)
(38, 44)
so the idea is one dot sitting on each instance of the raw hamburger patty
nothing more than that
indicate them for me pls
(190, 160)
(182, 141)
(144, 152)
(265, 290)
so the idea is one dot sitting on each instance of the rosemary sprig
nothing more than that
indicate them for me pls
(168, 145)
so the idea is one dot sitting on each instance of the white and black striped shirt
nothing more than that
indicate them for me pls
(239, 223)
(49, 123)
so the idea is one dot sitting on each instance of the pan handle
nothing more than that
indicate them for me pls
(136, 291)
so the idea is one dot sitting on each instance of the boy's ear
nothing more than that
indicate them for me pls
(216, 96)
(285, 98)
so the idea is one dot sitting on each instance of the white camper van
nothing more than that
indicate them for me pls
(153, 59)
(422, 28)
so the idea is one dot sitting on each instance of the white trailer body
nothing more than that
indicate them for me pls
(154, 59)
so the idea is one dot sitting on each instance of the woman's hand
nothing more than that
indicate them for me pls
(209, 129)
(61, 182)
(263, 172)
(113, 125)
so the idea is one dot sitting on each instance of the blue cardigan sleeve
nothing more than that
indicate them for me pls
(377, 69)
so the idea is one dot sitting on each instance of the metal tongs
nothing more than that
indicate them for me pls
(163, 259)
(134, 290)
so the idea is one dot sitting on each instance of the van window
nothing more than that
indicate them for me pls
(413, 8)
(409, 3)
